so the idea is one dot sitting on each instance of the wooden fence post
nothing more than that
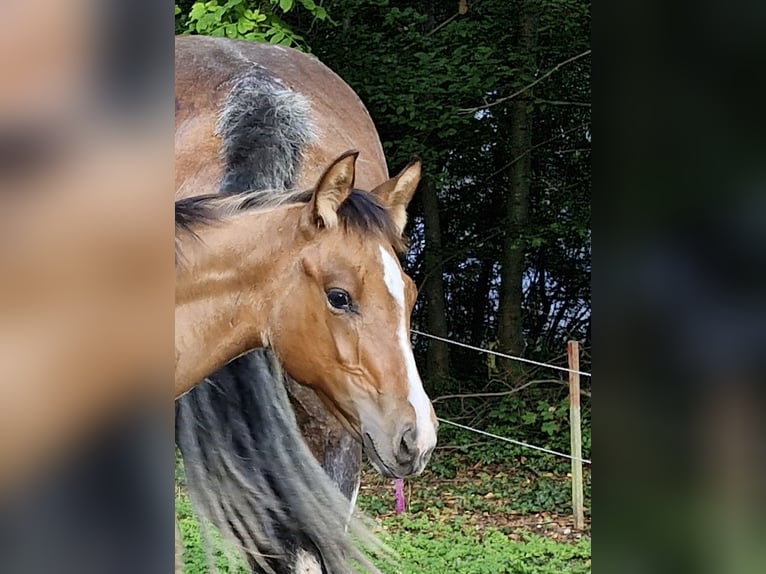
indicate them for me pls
(573, 355)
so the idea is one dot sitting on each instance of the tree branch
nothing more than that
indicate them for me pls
(461, 446)
(534, 147)
(443, 24)
(428, 272)
(553, 70)
(562, 103)
(503, 393)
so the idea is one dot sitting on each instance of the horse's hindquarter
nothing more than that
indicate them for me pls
(201, 87)
(340, 119)
(207, 69)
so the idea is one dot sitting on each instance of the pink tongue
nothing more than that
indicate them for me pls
(401, 503)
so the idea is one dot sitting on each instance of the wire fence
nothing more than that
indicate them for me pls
(503, 355)
(513, 441)
(513, 358)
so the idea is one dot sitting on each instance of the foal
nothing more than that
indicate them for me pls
(317, 280)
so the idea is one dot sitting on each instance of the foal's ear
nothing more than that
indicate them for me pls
(396, 193)
(334, 187)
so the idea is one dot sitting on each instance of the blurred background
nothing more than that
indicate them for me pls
(86, 287)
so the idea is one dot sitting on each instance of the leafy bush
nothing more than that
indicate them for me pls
(537, 415)
(247, 20)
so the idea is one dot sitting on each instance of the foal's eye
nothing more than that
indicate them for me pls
(339, 299)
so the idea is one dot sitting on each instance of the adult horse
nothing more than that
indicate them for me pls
(258, 117)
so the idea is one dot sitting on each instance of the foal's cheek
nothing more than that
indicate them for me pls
(345, 337)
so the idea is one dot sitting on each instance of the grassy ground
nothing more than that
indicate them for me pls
(464, 517)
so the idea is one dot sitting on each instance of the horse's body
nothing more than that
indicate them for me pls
(260, 117)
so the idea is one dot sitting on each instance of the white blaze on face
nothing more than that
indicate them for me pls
(426, 432)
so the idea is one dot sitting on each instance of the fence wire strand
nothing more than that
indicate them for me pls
(513, 358)
(503, 355)
(517, 442)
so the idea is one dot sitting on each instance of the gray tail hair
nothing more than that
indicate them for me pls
(250, 474)
(265, 128)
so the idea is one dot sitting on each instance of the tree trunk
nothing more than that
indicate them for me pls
(510, 336)
(437, 358)
(479, 312)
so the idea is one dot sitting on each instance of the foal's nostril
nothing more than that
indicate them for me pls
(407, 450)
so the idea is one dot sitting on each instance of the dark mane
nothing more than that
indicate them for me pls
(361, 212)
(193, 211)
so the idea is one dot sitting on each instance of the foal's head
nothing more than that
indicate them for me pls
(341, 323)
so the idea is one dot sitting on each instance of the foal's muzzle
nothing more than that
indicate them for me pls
(397, 457)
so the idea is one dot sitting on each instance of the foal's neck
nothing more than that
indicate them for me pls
(222, 288)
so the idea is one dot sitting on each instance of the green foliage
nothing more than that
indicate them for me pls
(259, 21)
(433, 548)
(418, 67)
(470, 522)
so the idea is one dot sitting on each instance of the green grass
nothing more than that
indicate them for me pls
(483, 519)
(430, 547)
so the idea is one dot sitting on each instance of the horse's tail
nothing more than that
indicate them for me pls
(264, 129)
(250, 474)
